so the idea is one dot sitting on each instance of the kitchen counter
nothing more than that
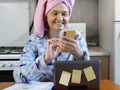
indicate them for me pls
(98, 51)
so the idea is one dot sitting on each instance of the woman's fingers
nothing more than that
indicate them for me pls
(70, 47)
(69, 44)
(72, 40)
(64, 43)
(52, 48)
(68, 39)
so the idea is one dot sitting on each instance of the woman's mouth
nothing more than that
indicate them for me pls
(59, 23)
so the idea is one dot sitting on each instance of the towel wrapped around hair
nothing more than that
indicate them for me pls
(43, 8)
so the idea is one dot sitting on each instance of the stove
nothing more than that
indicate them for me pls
(13, 34)
(10, 50)
(9, 57)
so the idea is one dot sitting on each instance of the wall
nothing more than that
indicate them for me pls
(86, 11)
(106, 28)
(106, 23)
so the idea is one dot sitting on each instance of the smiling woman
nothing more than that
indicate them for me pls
(58, 17)
(44, 45)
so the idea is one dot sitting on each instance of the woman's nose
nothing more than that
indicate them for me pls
(59, 17)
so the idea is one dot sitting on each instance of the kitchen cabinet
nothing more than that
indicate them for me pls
(104, 66)
(97, 53)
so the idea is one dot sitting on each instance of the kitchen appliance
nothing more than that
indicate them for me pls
(109, 34)
(117, 42)
(9, 57)
(14, 23)
(14, 28)
(14, 31)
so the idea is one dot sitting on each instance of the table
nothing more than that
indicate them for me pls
(108, 85)
(104, 85)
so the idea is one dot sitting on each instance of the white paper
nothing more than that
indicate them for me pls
(33, 85)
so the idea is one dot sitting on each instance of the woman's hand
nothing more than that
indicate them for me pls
(52, 50)
(72, 46)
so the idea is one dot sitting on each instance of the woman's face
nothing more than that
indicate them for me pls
(58, 17)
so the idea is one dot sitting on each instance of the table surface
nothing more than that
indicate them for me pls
(104, 85)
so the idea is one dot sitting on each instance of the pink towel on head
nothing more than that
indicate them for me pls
(42, 9)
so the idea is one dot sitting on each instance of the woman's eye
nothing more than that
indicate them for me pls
(54, 14)
(65, 14)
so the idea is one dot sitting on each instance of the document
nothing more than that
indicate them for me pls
(89, 73)
(65, 78)
(76, 76)
(33, 85)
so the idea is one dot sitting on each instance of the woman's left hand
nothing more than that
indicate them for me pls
(52, 49)
(71, 45)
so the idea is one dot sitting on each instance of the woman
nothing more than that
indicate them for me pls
(43, 46)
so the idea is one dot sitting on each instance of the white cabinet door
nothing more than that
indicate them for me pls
(117, 52)
(117, 10)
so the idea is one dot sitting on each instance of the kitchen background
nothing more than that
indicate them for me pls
(85, 11)
(101, 28)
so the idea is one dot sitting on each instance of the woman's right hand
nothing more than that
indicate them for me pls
(52, 50)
